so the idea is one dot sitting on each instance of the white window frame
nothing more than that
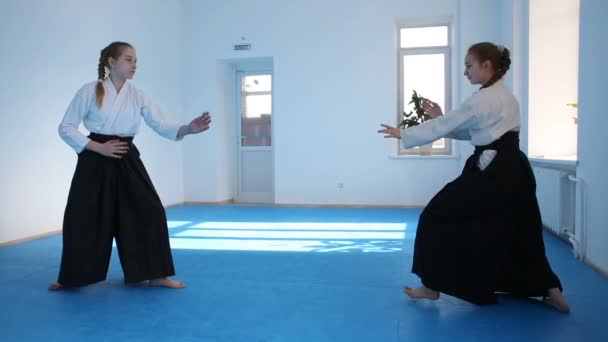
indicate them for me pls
(448, 148)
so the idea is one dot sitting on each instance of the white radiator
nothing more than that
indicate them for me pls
(560, 199)
(555, 198)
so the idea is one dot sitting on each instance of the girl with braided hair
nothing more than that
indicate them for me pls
(482, 233)
(111, 195)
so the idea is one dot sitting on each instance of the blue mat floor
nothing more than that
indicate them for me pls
(267, 274)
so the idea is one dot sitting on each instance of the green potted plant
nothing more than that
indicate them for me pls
(575, 116)
(416, 117)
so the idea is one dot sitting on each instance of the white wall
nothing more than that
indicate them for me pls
(553, 72)
(226, 109)
(48, 51)
(334, 82)
(519, 67)
(593, 124)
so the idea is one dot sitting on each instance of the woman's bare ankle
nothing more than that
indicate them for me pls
(56, 286)
(167, 282)
(556, 299)
(421, 292)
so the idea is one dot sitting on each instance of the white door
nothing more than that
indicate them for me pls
(255, 183)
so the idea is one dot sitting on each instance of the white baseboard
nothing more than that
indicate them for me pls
(29, 238)
(596, 267)
(304, 205)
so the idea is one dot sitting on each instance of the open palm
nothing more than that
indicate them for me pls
(200, 123)
(432, 108)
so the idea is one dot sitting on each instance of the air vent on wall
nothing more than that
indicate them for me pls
(240, 47)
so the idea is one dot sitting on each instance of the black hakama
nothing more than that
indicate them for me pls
(482, 233)
(113, 198)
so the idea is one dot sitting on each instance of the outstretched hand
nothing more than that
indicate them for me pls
(200, 123)
(432, 108)
(391, 132)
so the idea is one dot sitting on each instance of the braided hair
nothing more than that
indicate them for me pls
(113, 50)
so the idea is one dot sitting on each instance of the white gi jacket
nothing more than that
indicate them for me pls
(483, 117)
(120, 114)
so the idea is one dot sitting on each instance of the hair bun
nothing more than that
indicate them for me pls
(505, 57)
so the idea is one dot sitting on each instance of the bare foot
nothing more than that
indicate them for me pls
(421, 292)
(55, 287)
(167, 282)
(557, 300)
